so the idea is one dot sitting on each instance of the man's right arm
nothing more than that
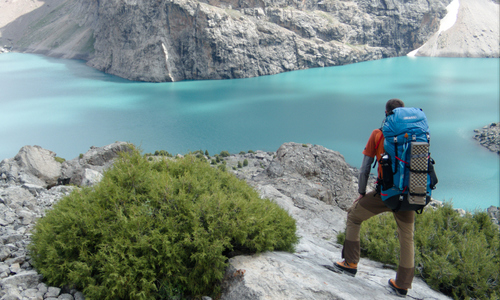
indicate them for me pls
(364, 174)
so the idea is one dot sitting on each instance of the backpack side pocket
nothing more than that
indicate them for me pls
(387, 172)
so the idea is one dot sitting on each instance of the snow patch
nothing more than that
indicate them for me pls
(446, 23)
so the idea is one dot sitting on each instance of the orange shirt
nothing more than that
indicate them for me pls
(375, 147)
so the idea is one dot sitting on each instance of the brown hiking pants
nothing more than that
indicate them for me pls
(368, 206)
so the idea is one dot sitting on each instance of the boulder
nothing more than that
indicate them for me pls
(315, 171)
(27, 279)
(88, 168)
(15, 197)
(32, 165)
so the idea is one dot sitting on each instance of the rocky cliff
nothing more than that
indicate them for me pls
(171, 40)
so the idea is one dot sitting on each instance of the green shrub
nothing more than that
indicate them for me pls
(245, 162)
(206, 153)
(240, 165)
(224, 153)
(242, 153)
(149, 230)
(456, 255)
(163, 153)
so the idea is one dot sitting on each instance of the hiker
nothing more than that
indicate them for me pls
(370, 204)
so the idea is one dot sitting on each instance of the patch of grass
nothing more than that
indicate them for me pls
(59, 159)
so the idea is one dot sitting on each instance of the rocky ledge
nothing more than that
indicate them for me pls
(489, 137)
(314, 184)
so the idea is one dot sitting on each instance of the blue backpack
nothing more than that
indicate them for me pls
(408, 176)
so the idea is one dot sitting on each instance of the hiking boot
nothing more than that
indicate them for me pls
(346, 268)
(399, 291)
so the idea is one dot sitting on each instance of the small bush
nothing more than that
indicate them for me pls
(224, 153)
(245, 162)
(240, 165)
(151, 230)
(163, 153)
(455, 255)
(206, 153)
(242, 153)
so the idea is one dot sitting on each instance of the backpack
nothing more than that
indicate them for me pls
(408, 175)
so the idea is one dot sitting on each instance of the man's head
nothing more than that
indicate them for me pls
(392, 104)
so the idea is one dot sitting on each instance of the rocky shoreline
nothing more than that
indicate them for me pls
(314, 184)
(489, 137)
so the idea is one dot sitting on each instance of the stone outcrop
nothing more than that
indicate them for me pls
(489, 137)
(309, 170)
(172, 40)
(32, 165)
(311, 182)
(88, 168)
(36, 168)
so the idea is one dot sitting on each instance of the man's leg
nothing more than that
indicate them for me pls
(362, 210)
(406, 269)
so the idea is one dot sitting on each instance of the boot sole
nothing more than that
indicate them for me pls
(396, 290)
(338, 270)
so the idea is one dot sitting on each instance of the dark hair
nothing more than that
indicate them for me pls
(392, 104)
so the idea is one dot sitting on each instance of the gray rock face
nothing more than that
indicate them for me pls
(474, 34)
(172, 40)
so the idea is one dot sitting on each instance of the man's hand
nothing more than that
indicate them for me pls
(360, 196)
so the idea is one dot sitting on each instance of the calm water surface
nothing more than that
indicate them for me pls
(66, 107)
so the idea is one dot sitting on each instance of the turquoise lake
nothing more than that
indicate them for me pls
(67, 107)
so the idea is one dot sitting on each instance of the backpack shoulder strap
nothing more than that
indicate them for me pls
(378, 144)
